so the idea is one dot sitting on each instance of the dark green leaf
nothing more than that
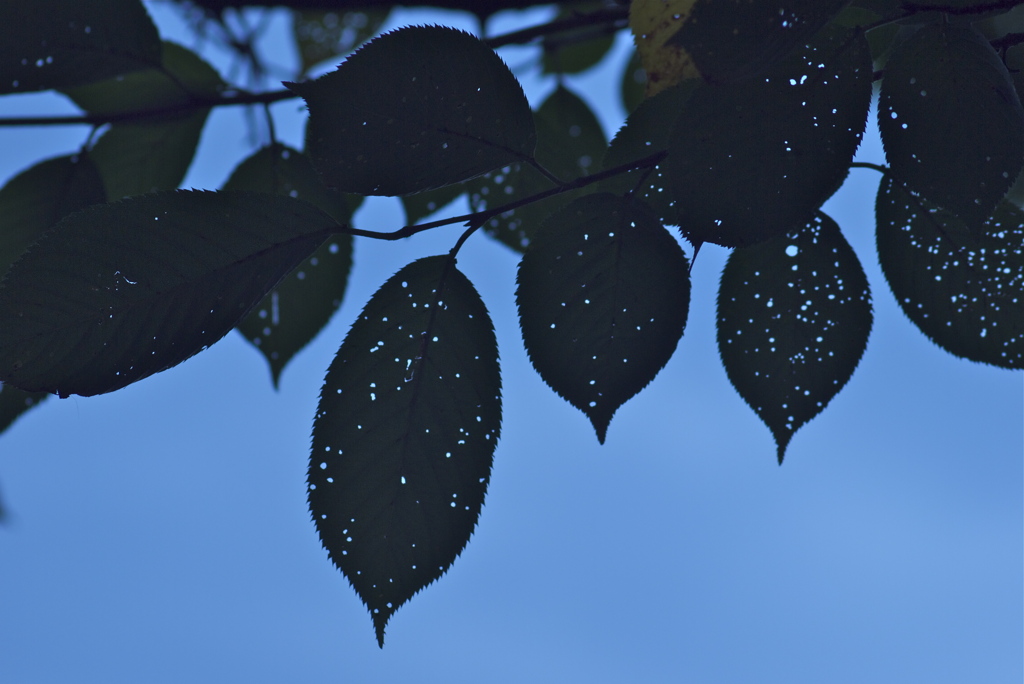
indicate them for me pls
(423, 204)
(404, 436)
(117, 292)
(603, 297)
(964, 290)
(151, 152)
(416, 109)
(794, 315)
(292, 314)
(321, 35)
(38, 197)
(14, 402)
(951, 121)
(60, 43)
(752, 160)
(570, 144)
(732, 40)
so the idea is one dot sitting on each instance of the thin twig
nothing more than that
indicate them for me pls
(980, 8)
(611, 15)
(868, 165)
(242, 98)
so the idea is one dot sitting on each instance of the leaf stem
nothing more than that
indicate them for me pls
(868, 165)
(544, 172)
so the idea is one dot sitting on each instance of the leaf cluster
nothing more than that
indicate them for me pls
(744, 120)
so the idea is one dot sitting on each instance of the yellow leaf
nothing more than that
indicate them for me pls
(653, 22)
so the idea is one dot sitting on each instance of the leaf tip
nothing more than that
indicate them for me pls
(380, 621)
(600, 424)
(300, 89)
(781, 442)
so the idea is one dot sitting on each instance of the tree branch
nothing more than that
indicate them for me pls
(612, 15)
(184, 108)
(981, 8)
(480, 7)
(480, 217)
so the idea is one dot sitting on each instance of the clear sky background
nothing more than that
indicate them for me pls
(160, 534)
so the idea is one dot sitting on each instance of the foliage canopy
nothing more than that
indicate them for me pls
(113, 274)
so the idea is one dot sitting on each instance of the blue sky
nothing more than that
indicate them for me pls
(160, 533)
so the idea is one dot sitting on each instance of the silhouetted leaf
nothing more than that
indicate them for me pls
(58, 44)
(298, 308)
(570, 144)
(951, 121)
(323, 34)
(423, 204)
(30, 203)
(751, 160)
(14, 402)
(647, 131)
(416, 109)
(150, 152)
(721, 40)
(603, 297)
(38, 197)
(962, 289)
(794, 315)
(117, 292)
(404, 436)
(736, 39)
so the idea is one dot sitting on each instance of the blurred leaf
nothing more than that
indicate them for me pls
(794, 315)
(423, 204)
(59, 44)
(413, 110)
(575, 51)
(40, 196)
(951, 122)
(150, 152)
(15, 402)
(117, 292)
(298, 308)
(570, 144)
(603, 297)
(634, 82)
(136, 158)
(321, 34)
(404, 436)
(751, 160)
(962, 289)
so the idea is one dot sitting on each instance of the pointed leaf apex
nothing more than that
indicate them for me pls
(600, 424)
(380, 621)
(781, 443)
